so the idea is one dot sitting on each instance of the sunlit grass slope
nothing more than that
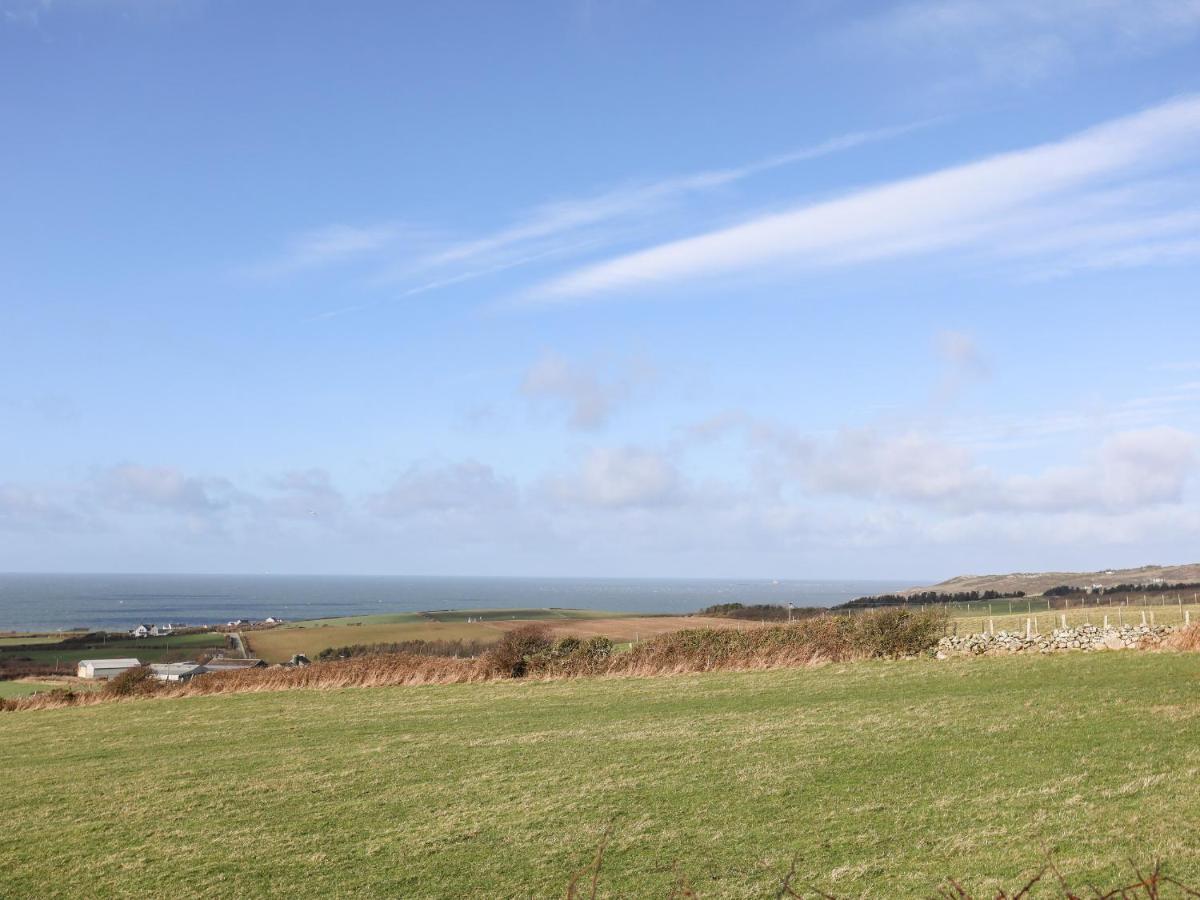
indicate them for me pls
(884, 777)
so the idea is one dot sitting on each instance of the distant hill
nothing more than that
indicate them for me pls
(1037, 582)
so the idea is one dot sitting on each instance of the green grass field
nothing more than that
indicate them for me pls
(312, 636)
(149, 649)
(883, 777)
(10, 689)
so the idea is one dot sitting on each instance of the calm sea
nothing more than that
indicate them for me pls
(51, 602)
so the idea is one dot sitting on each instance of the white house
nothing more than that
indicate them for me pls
(180, 671)
(140, 631)
(105, 668)
(161, 630)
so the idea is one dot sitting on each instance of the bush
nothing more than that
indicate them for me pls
(512, 655)
(131, 682)
(456, 648)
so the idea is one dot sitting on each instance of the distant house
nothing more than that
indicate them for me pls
(180, 671)
(104, 668)
(271, 620)
(227, 664)
(234, 623)
(141, 631)
(161, 630)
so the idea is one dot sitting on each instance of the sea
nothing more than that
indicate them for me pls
(49, 602)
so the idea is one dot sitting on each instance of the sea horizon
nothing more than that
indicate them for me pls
(48, 601)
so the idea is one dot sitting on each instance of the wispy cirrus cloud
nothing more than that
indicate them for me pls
(329, 246)
(991, 202)
(1022, 41)
(551, 231)
(641, 199)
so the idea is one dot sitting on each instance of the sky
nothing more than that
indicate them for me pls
(599, 287)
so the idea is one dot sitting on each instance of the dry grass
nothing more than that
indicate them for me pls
(1188, 639)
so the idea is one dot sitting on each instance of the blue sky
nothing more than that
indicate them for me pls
(599, 288)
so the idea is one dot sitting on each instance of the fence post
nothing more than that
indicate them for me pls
(1106, 623)
(991, 626)
(1143, 617)
(1063, 619)
(1187, 617)
(1028, 629)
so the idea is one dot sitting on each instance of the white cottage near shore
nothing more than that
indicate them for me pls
(105, 668)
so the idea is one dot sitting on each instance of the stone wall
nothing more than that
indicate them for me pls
(1080, 637)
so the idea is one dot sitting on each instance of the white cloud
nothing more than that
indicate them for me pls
(621, 477)
(1129, 471)
(308, 494)
(138, 487)
(588, 397)
(960, 206)
(329, 246)
(1024, 41)
(463, 487)
(24, 508)
(553, 219)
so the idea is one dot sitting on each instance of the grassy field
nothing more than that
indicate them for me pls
(149, 649)
(1046, 620)
(24, 688)
(9, 689)
(883, 777)
(313, 636)
(10, 639)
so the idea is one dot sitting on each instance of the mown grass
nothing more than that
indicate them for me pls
(885, 777)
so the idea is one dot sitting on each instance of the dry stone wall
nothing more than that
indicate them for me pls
(1080, 637)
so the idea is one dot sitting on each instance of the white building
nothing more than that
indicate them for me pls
(105, 668)
(140, 632)
(230, 664)
(180, 671)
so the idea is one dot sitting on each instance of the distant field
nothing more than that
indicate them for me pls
(150, 649)
(881, 779)
(9, 639)
(976, 617)
(9, 689)
(310, 638)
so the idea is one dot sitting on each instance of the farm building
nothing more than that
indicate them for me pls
(227, 664)
(105, 668)
(140, 632)
(180, 671)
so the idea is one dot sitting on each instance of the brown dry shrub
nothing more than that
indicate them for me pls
(1187, 639)
(514, 655)
(138, 681)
